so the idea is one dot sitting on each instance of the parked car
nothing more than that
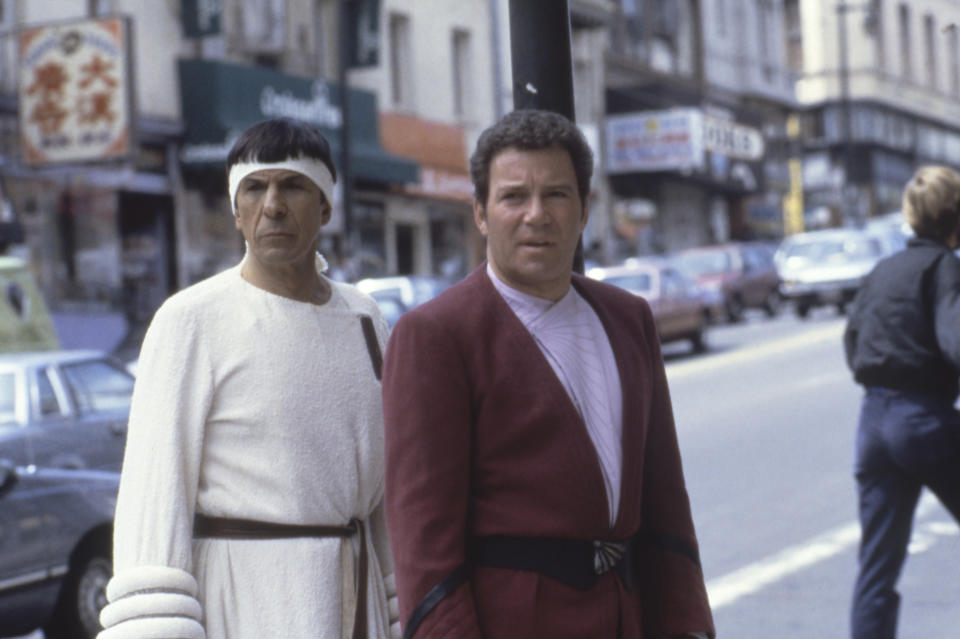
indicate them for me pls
(826, 267)
(398, 294)
(675, 300)
(64, 409)
(737, 275)
(55, 546)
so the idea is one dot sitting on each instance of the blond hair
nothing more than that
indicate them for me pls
(931, 202)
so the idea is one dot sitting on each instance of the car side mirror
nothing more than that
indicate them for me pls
(8, 477)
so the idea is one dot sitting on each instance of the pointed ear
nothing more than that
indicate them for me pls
(480, 217)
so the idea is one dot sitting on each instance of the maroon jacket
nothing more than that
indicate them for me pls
(482, 439)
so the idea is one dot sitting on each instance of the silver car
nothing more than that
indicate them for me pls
(55, 535)
(64, 409)
(821, 268)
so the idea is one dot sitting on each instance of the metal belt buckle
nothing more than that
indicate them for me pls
(607, 554)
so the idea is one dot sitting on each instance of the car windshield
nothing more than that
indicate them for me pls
(633, 282)
(704, 262)
(833, 250)
(8, 398)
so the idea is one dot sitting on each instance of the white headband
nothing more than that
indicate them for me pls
(316, 170)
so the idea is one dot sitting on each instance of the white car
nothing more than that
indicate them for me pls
(821, 268)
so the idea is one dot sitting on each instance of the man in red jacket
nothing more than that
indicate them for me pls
(533, 478)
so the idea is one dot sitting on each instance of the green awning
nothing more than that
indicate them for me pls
(220, 100)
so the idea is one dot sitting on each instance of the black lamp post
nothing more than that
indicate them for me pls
(542, 64)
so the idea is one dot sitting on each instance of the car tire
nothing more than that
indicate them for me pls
(802, 309)
(699, 341)
(772, 304)
(82, 595)
(734, 309)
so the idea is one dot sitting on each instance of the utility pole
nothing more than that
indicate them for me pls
(345, 168)
(542, 63)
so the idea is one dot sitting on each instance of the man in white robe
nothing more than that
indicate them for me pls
(250, 501)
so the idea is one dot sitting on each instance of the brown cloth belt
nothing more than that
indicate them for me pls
(226, 528)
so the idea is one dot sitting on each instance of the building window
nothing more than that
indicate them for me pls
(401, 67)
(461, 73)
(794, 32)
(930, 45)
(324, 37)
(953, 55)
(766, 26)
(874, 26)
(264, 24)
(906, 49)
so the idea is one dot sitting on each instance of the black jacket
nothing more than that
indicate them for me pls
(904, 328)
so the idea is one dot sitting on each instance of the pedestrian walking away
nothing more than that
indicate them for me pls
(250, 501)
(533, 477)
(902, 343)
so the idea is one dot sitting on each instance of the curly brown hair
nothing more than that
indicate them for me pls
(530, 130)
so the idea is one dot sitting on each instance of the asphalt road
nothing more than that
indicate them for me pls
(766, 421)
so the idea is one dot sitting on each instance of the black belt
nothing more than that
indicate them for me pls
(226, 528)
(577, 563)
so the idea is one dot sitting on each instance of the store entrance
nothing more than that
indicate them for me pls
(147, 254)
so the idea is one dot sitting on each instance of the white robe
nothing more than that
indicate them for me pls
(255, 406)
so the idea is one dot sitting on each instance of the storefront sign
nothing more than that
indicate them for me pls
(655, 141)
(75, 92)
(219, 100)
(441, 183)
(734, 140)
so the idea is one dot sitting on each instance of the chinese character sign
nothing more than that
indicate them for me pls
(74, 92)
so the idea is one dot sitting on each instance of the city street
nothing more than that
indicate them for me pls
(766, 421)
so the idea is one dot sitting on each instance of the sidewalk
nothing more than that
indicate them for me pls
(101, 330)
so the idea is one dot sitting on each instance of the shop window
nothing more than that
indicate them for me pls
(406, 244)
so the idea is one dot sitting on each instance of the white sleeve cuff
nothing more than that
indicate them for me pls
(150, 604)
(155, 628)
(151, 578)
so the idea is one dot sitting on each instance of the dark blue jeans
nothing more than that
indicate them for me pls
(905, 441)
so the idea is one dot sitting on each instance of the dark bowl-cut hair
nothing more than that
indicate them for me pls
(530, 130)
(278, 139)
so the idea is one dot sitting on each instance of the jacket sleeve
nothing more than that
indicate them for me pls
(947, 308)
(674, 596)
(427, 420)
(153, 591)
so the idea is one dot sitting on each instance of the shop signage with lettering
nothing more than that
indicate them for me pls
(75, 92)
